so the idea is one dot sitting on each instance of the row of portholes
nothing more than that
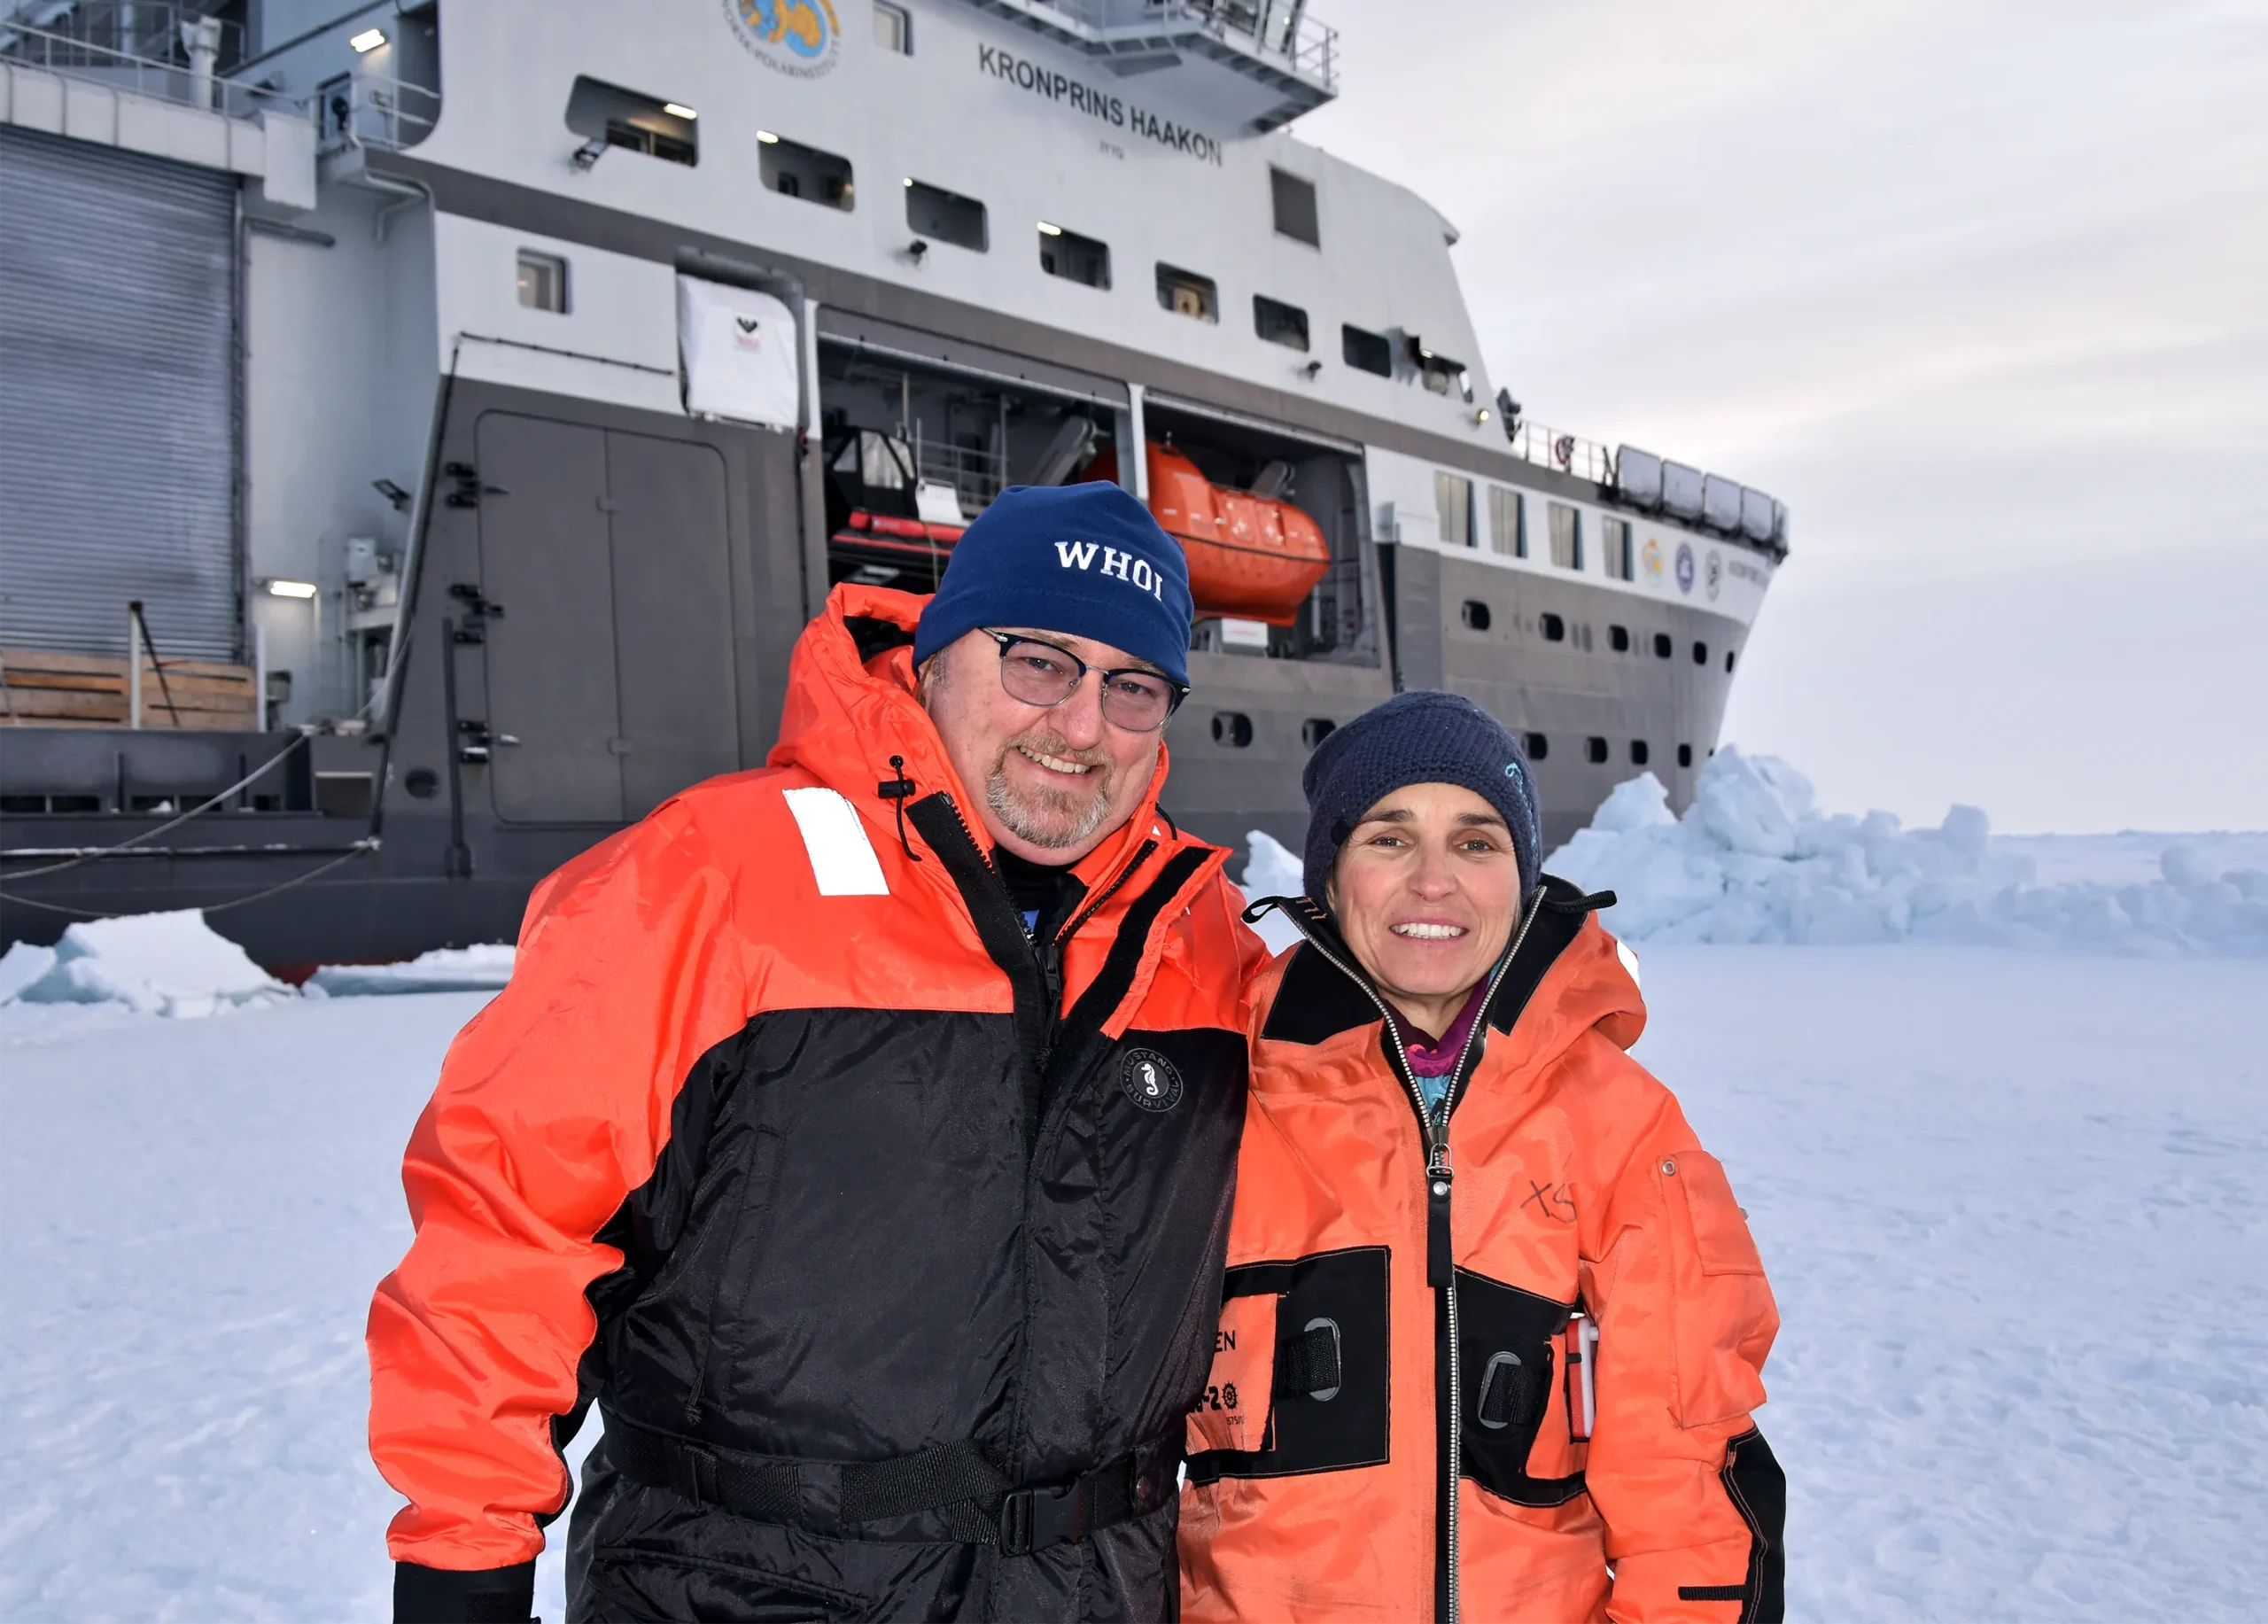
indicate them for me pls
(1553, 627)
(1233, 730)
(1598, 751)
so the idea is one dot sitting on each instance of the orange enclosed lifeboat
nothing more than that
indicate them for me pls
(1248, 557)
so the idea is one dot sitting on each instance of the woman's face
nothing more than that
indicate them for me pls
(1427, 890)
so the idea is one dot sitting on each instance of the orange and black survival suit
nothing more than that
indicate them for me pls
(888, 1241)
(1495, 1363)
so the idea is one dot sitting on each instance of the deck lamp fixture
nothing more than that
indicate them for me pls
(1047, 231)
(588, 153)
(678, 110)
(366, 42)
(292, 589)
(767, 137)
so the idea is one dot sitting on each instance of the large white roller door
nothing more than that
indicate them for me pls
(118, 421)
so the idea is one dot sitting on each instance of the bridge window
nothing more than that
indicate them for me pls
(795, 170)
(1187, 293)
(1566, 535)
(1453, 501)
(1279, 322)
(1614, 535)
(946, 217)
(1072, 257)
(1366, 351)
(1295, 212)
(1507, 523)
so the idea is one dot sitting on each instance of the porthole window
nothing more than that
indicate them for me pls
(1618, 638)
(1596, 749)
(543, 282)
(1072, 257)
(1476, 614)
(946, 217)
(1661, 645)
(1184, 292)
(1555, 629)
(1685, 755)
(1538, 746)
(1700, 654)
(1279, 322)
(1316, 729)
(1232, 728)
(1639, 752)
(1728, 662)
(1367, 351)
(795, 170)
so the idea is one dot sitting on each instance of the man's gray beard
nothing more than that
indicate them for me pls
(1019, 818)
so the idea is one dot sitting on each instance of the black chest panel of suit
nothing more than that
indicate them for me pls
(914, 1304)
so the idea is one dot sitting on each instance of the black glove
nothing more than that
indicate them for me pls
(445, 1596)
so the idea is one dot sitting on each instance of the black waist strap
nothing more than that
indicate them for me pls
(971, 1499)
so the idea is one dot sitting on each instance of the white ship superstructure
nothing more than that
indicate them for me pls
(494, 389)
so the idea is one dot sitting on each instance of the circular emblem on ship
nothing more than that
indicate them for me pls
(1150, 1080)
(800, 38)
(1715, 575)
(1653, 557)
(1685, 566)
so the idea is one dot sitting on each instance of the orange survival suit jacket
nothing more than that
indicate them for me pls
(1406, 1291)
(888, 1240)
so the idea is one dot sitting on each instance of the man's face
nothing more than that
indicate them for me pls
(1051, 781)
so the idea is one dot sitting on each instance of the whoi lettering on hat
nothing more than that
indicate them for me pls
(1131, 568)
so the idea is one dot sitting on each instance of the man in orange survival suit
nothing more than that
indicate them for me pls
(859, 1133)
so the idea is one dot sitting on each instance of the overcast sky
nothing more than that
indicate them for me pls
(1980, 290)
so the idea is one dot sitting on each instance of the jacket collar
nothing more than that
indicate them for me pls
(1316, 999)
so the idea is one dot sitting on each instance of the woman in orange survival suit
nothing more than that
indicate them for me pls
(1493, 1322)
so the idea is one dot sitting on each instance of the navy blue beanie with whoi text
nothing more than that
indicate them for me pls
(1424, 736)
(1081, 560)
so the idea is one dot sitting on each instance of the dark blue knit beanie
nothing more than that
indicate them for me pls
(1421, 737)
(1084, 560)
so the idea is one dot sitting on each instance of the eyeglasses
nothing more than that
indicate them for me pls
(1135, 698)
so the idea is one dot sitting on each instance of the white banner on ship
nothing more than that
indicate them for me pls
(739, 347)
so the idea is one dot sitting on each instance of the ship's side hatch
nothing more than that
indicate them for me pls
(609, 672)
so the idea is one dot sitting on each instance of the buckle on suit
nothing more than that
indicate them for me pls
(1034, 1518)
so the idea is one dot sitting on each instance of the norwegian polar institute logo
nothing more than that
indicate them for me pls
(800, 38)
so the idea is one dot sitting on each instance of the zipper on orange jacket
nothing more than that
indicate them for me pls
(1441, 1257)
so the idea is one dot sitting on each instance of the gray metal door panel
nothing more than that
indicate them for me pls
(546, 557)
(672, 617)
(118, 307)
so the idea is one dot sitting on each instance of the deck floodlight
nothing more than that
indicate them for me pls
(678, 110)
(292, 589)
(767, 137)
(1048, 230)
(366, 42)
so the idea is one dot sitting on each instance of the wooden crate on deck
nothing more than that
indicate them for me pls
(42, 688)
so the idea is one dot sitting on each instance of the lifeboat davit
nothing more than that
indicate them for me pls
(1249, 557)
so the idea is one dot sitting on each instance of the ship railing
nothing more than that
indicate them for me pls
(977, 476)
(1571, 454)
(187, 75)
(89, 33)
(371, 109)
(1279, 30)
